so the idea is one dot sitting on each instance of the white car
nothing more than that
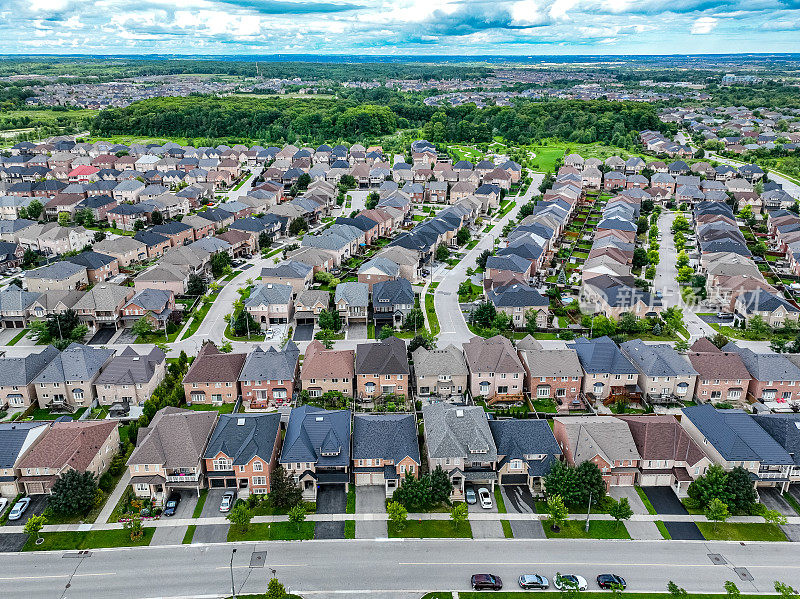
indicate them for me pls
(3, 505)
(485, 498)
(570, 581)
(228, 499)
(19, 508)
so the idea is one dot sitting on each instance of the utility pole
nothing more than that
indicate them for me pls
(233, 588)
(588, 511)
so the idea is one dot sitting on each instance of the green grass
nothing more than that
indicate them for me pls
(498, 499)
(201, 501)
(430, 529)
(507, 532)
(242, 182)
(90, 539)
(187, 538)
(433, 320)
(158, 337)
(750, 531)
(663, 530)
(793, 502)
(199, 315)
(441, 595)
(42, 414)
(472, 244)
(276, 531)
(231, 276)
(349, 529)
(650, 509)
(588, 595)
(226, 408)
(351, 500)
(545, 405)
(598, 529)
(18, 337)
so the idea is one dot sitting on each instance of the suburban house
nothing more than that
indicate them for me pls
(17, 307)
(496, 373)
(440, 373)
(526, 450)
(460, 442)
(327, 370)
(99, 267)
(608, 373)
(774, 378)
(82, 446)
(125, 249)
(270, 303)
(665, 376)
(385, 449)
(316, 449)
(56, 276)
(382, 369)
(308, 305)
(67, 382)
(243, 452)
(392, 300)
(517, 300)
(267, 378)
(377, 270)
(16, 439)
(290, 272)
(733, 438)
(722, 377)
(102, 306)
(604, 440)
(669, 456)
(157, 305)
(130, 378)
(352, 300)
(213, 377)
(169, 453)
(553, 374)
(785, 429)
(17, 387)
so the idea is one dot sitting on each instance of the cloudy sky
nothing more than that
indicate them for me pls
(399, 26)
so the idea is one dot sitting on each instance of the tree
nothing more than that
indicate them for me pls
(157, 218)
(639, 258)
(717, 511)
(680, 224)
(784, 590)
(740, 492)
(29, 258)
(330, 319)
(442, 252)
(303, 181)
(458, 514)
(652, 256)
(650, 272)
(264, 239)
(372, 200)
(685, 274)
(482, 258)
(134, 528)
(591, 482)
(35, 209)
(422, 339)
(386, 332)
(603, 326)
(758, 325)
(196, 285)
(676, 591)
(557, 511)
(719, 340)
(463, 236)
(63, 218)
(22, 212)
(397, 514)
(143, 326)
(297, 226)
(138, 225)
(34, 525)
(275, 590)
(530, 320)
(297, 514)
(240, 515)
(779, 345)
(621, 510)
(283, 492)
(774, 517)
(415, 319)
(440, 486)
(746, 213)
(682, 260)
(99, 236)
(483, 314)
(73, 493)
(681, 346)
(711, 485)
(219, 262)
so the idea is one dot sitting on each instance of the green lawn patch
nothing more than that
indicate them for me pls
(598, 529)
(275, 531)
(433, 320)
(351, 500)
(90, 539)
(187, 538)
(226, 408)
(440, 596)
(349, 529)
(507, 532)
(199, 315)
(663, 530)
(232, 275)
(18, 337)
(498, 499)
(430, 529)
(750, 531)
(472, 244)
(692, 510)
(588, 595)
(201, 501)
(793, 502)
(43, 414)
(650, 509)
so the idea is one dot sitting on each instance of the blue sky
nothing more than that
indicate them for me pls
(398, 26)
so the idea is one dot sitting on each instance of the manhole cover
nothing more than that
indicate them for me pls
(717, 559)
(744, 574)
(258, 559)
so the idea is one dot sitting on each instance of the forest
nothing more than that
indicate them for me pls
(370, 116)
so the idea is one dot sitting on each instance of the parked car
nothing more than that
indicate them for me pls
(470, 495)
(659, 294)
(485, 498)
(228, 499)
(19, 508)
(610, 581)
(725, 315)
(533, 581)
(570, 581)
(486, 581)
(3, 505)
(172, 504)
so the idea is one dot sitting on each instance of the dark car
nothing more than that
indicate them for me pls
(610, 581)
(486, 581)
(172, 504)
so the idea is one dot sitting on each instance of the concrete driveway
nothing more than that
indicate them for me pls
(303, 332)
(12, 542)
(357, 331)
(773, 500)
(211, 506)
(331, 499)
(371, 499)
(173, 535)
(485, 529)
(518, 500)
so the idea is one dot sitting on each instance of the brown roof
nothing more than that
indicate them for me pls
(704, 345)
(662, 438)
(175, 438)
(495, 354)
(211, 365)
(719, 365)
(234, 236)
(320, 363)
(73, 444)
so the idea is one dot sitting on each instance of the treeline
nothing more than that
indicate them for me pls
(277, 120)
(769, 94)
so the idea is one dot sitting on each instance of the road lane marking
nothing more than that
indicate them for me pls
(604, 564)
(55, 576)
(268, 565)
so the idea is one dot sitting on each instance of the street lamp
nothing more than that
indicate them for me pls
(233, 588)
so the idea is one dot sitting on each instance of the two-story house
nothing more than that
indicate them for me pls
(607, 372)
(554, 374)
(664, 375)
(270, 303)
(392, 300)
(327, 370)
(440, 374)
(213, 377)
(352, 300)
(496, 373)
(382, 369)
(17, 439)
(17, 387)
(130, 377)
(526, 450)
(722, 377)
(267, 379)
(67, 382)
(385, 449)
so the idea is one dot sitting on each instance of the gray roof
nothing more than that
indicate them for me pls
(384, 265)
(606, 436)
(92, 260)
(271, 365)
(449, 360)
(513, 296)
(517, 438)
(385, 436)
(388, 356)
(16, 437)
(104, 297)
(550, 362)
(785, 429)
(765, 367)
(129, 367)
(288, 269)
(150, 299)
(57, 271)
(736, 436)
(270, 293)
(355, 294)
(317, 435)
(456, 432)
(657, 359)
(76, 363)
(602, 355)
(243, 437)
(393, 292)
(175, 438)
(12, 298)
(18, 372)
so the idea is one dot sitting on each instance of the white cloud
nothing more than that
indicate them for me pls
(703, 25)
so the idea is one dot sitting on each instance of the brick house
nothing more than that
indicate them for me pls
(721, 375)
(551, 374)
(17, 388)
(130, 377)
(774, 378)
(327, 370)
(268, 378)
(385, 449)
(382, 368)
(99, 267)
(67, 382)
(213, 377)
(496, 372)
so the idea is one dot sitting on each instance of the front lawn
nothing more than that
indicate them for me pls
(349, 529)
(351, 500)
(430, 529)
(189, 535)
(498, 499)
(275, 531)
(750, 531)
(433, 321)
(18, 337)
(91, 539)
(643, 496)
(201, 501)
(598, 529)
(507, 532)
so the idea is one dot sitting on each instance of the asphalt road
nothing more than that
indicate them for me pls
(389, 568)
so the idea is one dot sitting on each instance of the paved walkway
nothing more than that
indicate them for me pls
(114, 498)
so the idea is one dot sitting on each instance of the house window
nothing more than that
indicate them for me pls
(258, 466)
(260, 480)
(222, 464)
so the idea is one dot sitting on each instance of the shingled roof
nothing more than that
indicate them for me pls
(243, 437)
(175, 438)
(211, 365)
(385, 436)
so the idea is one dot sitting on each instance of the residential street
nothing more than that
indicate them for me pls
(395, 568)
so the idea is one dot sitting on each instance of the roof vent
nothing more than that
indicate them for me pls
(240, 422)
(319, 418)
(459, 413)
(135, 358)
(269, 285)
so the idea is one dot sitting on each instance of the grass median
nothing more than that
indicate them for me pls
(90, 539)
(748, 531)
(598, 529)
(275, 531)
(430, 529)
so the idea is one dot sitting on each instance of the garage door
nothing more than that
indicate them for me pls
(8, 490)
(369, 478)
(664, 480)
(656, 480)
(217, 483)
